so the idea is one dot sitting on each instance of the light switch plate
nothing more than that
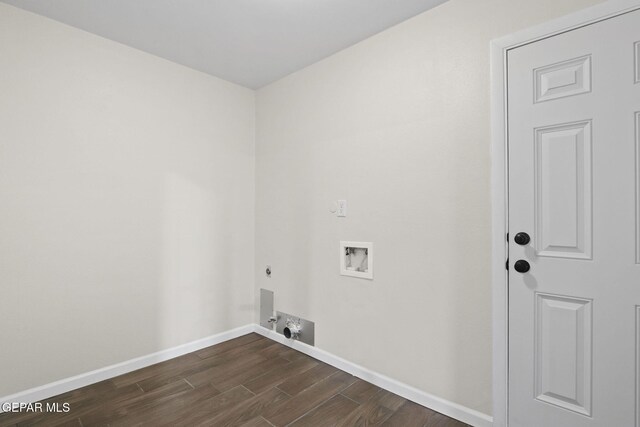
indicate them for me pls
(342, 208)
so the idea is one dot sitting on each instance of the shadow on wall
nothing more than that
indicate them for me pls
(197, 270)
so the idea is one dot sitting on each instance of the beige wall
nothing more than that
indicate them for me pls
(126, 202)
(399, 126)
(127, 198)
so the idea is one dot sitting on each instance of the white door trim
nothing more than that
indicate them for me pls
(499, 178)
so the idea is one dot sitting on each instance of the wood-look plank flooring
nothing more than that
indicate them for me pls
(247, 381)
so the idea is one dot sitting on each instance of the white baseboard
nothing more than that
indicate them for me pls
(438, 404)
(451, 409)
(58, 387)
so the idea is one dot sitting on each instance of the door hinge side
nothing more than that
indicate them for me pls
(506, 264)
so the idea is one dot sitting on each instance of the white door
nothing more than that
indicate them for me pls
(574, 141)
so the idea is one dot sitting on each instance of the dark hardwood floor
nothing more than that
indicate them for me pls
(248, 381)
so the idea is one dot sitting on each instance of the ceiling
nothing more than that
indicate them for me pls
(249, 42)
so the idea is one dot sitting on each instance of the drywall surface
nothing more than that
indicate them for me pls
(126, 202)
(397, 125)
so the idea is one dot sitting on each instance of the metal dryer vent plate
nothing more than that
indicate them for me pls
(266, 308)
(307, 327)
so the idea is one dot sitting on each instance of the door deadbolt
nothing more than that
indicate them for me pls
(521, 266)
(522, 238)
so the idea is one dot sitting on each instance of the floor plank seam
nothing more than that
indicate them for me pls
(254, 394)
(354, 401)
(279, 389)
(317, 406)
(316, 382)
(306, 413)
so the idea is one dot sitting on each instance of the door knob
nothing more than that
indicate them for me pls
(521, 266)
(522, 238)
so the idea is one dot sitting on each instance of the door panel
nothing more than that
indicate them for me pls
(563, 190)
(574, 187)
(637, 141)
(563, 352)
(637, 54)
(567, 78)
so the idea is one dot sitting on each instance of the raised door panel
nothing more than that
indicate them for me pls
(563, 190)
(636, 51)
(637, 144)
(567, 78)
(563, 353)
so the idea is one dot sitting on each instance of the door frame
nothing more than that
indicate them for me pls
(500, 180)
